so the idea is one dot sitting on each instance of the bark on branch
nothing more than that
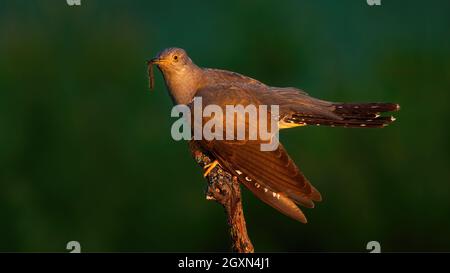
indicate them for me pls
(224, 188)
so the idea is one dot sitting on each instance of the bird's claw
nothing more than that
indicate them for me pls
(209, 167)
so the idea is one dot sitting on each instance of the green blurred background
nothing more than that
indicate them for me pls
(86, 152)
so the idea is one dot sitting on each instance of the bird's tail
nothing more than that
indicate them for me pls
(360, 115)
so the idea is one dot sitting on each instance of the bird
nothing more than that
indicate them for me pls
(270, 175)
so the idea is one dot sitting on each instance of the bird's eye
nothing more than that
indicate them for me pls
(175, 58)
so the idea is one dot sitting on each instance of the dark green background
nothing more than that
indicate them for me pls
(86, 152)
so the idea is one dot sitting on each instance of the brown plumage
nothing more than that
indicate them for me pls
(271, 175)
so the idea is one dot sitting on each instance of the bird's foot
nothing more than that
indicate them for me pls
(209, 167)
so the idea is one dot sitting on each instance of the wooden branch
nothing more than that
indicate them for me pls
(224, 188)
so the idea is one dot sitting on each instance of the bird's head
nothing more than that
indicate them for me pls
(171, 60)
(180, 73)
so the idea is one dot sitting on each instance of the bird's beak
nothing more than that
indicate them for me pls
(156, 61)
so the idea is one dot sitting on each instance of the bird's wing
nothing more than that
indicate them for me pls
(295, 102)
(297, 108)
(292, 102)
(270, 175)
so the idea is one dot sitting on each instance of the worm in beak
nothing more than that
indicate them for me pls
(151, 77)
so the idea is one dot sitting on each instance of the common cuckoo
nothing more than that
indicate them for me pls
(271, 175)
